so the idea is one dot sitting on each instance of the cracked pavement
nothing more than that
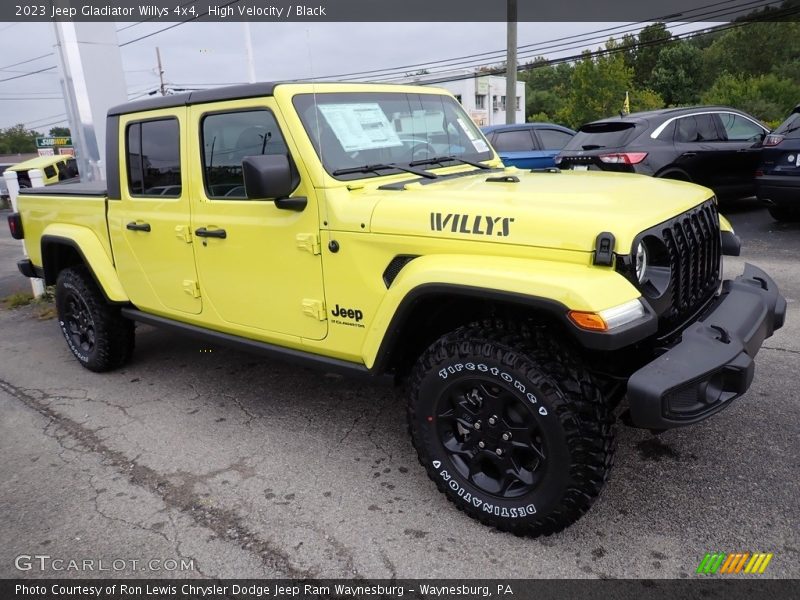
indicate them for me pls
(248, 467)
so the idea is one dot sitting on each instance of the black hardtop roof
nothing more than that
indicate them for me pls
(233, 92)
(663, 112)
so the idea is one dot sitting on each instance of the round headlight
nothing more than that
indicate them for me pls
(641, 262)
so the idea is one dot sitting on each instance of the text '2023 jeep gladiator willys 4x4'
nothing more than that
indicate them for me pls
(371, 229)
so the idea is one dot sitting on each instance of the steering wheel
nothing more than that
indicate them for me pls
(422, 150)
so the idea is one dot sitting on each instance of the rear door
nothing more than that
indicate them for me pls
(518, 148)
(149, 229)
(701, 151)
(550, 141)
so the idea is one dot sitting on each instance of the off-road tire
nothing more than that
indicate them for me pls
(781, 213)
(96, 333)
(532, 367)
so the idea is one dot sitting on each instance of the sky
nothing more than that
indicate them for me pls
(210, 54)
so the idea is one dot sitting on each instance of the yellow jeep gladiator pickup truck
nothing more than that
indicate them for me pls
(371, 229)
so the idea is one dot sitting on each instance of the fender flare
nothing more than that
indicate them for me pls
(92, 253)
(547, 286)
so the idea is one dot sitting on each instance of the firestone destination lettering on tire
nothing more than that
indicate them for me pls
(486, 507)
(482, 368)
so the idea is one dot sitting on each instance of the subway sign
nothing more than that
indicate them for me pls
(51, 142)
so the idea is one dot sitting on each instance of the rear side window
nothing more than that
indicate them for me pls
(553, 139)
(790, 128)
(696, 128)
(230, 137)
(611, 134)
(153, 158)
(513, 141)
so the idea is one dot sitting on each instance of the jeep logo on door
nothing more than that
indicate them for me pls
(472, 224)
(347, 316)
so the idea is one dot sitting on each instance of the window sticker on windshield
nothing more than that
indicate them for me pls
(477, 142)
(362, 126)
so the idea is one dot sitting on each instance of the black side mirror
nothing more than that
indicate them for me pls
(271, 176)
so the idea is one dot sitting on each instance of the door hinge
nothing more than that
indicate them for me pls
(191, 287)
(184, 233)
(314, 308)
(308, 242)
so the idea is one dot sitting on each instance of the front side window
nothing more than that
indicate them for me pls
(153, 158)
(740, 129)
(358, 129)
(230, 137)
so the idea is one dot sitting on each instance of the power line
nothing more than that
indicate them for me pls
(173, 26)
(23, 62)
(610, 51)
(132, 25)
(534, 49)
(28, 74)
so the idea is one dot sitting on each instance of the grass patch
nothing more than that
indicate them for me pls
(17, 300)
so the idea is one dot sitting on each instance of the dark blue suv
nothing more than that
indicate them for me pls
(778, 177)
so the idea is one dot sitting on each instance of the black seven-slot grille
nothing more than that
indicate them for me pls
(693, 243)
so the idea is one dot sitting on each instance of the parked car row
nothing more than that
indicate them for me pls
(719, 147)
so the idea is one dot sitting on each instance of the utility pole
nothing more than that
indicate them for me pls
(511, 64)
(163, 88)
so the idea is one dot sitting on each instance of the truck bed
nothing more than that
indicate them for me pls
(71, 211)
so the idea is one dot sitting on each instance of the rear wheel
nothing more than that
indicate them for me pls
(510, 427)
(781, 213)
(95, 331)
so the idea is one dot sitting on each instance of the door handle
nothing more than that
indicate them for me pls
(689, 154)
(134, 226)
(215, 233)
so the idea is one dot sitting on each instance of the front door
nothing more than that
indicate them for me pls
(259, 266)
(149, 225)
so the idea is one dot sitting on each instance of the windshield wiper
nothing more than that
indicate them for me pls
(443, 159)
(382, 166)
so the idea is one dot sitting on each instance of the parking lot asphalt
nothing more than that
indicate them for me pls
(249, 467)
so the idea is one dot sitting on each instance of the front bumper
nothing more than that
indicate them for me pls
(712, 364)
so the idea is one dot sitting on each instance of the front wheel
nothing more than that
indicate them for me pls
(511, 428)
(95, 331)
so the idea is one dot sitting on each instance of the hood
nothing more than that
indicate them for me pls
(564, 210)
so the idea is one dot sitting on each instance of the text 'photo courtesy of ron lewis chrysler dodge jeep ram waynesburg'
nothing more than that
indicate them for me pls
(371, 229)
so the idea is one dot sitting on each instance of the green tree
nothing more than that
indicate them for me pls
(59, 132)
(648, 47)
(597, 89)
(17, 139)
(677, 74)
(767, 97)
(752, 49)
(645, 99)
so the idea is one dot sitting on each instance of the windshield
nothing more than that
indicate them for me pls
(358, 129)
(608, 134)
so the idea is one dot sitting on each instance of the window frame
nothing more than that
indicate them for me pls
(201, 131)
(139, 122)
